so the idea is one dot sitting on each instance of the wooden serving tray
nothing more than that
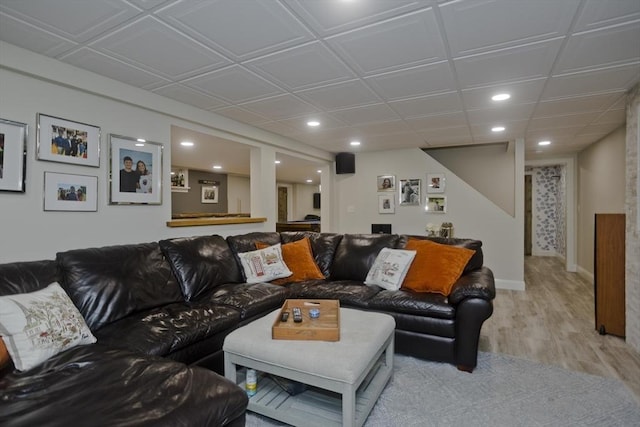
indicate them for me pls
(324, 328)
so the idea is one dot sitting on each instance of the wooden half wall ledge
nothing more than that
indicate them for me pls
(200, 219)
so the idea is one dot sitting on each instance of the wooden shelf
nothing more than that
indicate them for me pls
(195, 222)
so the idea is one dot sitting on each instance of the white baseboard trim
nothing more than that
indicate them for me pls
(513, 285)
(584, 273)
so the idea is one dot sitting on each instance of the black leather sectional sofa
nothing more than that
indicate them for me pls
(160, 312)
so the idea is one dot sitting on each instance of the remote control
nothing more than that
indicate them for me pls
(297, 315)
(284, 316)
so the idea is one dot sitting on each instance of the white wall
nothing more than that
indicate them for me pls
(471, 213)
(239, 192)
(304, 201)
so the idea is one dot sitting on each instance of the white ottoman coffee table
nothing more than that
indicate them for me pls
(345, 377)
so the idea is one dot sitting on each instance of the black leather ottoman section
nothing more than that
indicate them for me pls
(323, 245)
(24, 277)
(423, 325)
(108, 387)
(425, 304)
(249, 299)
(351, 293)
(168, 329)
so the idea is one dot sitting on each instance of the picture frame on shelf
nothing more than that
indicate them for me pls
(436, 204)
(386, 204)
(209, 194)
(409, 192)
(436, 183)
(66, 141)
(136, 171)
(70, 192)
(13, 155)
(386, 183)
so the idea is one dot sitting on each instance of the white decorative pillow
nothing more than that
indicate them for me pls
(390, 268)
(264, 265)
(38, 325)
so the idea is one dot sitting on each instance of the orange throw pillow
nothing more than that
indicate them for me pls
(299, 258)
(436, 267)
(4, 354)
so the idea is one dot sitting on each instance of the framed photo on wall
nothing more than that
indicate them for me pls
(436, 204)
(209, 194)
(386, 204)
(435, 183)
(409, 191)
(61, 140)
(13, 155)
(136, 171)
(386, 183)
(67, 192)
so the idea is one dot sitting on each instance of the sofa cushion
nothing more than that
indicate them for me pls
(201, 263)
(40, 324)
(474, 263)
(390, 268)
(299, 258)
(109, 283)
(247, 242)
(264, 265)
(323, 246)
(352, 293)
(250, 299)
(436, 267)
(424, 304)
(29, 276)
(356, 254)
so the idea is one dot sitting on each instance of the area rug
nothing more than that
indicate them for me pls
(502, 391)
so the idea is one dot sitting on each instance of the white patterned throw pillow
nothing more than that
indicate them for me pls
(264, 265)
(38, 325)
(390, 268)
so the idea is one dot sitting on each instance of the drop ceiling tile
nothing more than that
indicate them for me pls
(332, 16)
(277, 128)
(542, 123)
(499, 115)
(280, 107)
(383, 128)
(598, 13)
(31, 37)
(150, 4)
(234, 84)
(396, 141)
(189, 96)
(578, 104)
(615, 79)
(507, 65)
(451, 120)
(241, 115)
(594, 49)
(115, 69)
(300, 123)
(524, 92)
(612, 116)
(365, 114)
(302, 67)
(554, 134)
(241, 32)
(428, 105)
(415, 81)
(514, 129)
(460, 133)
(375, 49)
(340, 95)
(474, 27)
(152, 45)
(74, 20)
(601, 129)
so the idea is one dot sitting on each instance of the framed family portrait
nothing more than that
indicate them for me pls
(435, 183)
(136, 171)
(13, 155)
(209, 194)
(386, 204)
(436, 204)
(386, 183)
(61, 140)
(67, 192)
(409, 191)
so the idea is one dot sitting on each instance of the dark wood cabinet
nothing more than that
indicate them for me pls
(609, 274)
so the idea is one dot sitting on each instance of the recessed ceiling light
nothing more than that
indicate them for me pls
(277, 162)
(141, 140)
(313, 123)
(501, 97)
(544, 143)
(497, 129)
(309, 181)
(217, 167)
(187, 143)
(319, 171)
(355, 143)
(139, 144)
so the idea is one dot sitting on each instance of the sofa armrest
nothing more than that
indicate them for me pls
(474, 284)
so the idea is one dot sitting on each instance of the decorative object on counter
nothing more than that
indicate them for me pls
(13, 155)
(436, 204)
(136, 171)
(432, 230)
(446, 230)
(435, 183)
(65, 141)
(67, 192)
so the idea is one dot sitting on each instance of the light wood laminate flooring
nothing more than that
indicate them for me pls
(553, 322)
